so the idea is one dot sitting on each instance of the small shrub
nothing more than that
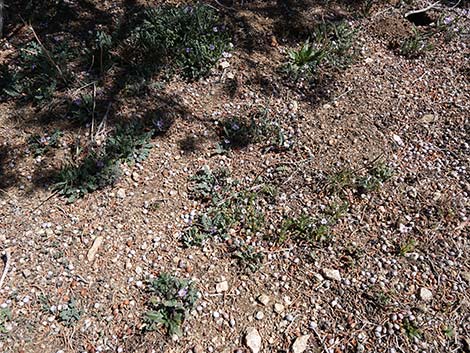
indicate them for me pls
(187, 40)
(173, 299)
(248, 258)
(305, 61)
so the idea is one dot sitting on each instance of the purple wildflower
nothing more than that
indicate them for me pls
(77, 101)
(215, 29)
(159, 125)
(235, 126)
(188, 50)
(182, 292)
(211, 47)
(99, 164)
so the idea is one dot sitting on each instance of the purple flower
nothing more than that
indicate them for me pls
(77, 101)
(215, 29)
(212, 47)
(182, 292)
(188, 9)
(99, 164)
(188, 50)
(447, 20)
(235, 126)
(159, 125)
(33, 66)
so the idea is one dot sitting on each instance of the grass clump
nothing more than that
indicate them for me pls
(5, 316)
(173, 299)
(38, 73)
(185, 40)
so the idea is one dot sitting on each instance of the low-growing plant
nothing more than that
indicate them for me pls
(330, 44)
(100, 167)
(226, 209)
(173, 299)
(304, 227)
(38, 72)
(416, 45)
(70, 314)
(407, 247)
(208, 185)
(40, 145)
(5, 316)
(411, 330)
(187, 40)
(248, 258)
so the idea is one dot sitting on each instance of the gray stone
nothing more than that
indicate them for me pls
(263, 299)
(331, 274)
(425, 294)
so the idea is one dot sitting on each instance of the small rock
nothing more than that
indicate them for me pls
(300, 344)
(198, 349)
(289, 317)
(224, 64)
(121, 193)
(259, 315)
(221, 287)
(278, 308)
(425, 294)
(135, 176)
(94, 248)
(263, 299)
(331, 274)
(398, 140)
(428, 118)
(26, 273)
(466, 276)
(253, 340)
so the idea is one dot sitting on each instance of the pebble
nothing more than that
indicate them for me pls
(331, 274)
(289, 317)
(425, 294)
(253, 340)
(221, 287)
(94, 248)
(259, 315)
(121, 193)
(278, 308)
(263, 299)
(300, 344)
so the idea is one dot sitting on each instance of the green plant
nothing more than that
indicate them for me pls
(187, 40)
(70, 314)
(100, 52)
(40, 145)
(207, 184)
(305, 228)
(330, 44)
(172, 301)
(248, 258)
(407, 247)
(5, 315)
(38, 73)
(226, 209)
(100, 168)
(416, 45)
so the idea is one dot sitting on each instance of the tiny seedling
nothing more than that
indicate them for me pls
(411, 330)
(407, 247)
(173, 299)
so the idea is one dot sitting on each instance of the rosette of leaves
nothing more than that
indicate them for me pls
(173, 299)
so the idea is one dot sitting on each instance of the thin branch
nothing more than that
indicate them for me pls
(414, 12)
(7, 257)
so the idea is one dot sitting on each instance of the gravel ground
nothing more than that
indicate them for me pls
(393, 277)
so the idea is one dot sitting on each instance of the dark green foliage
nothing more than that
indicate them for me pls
(206, 184)
(173, 299)
(37, 74)
(187, 40)
(248, 258)
(5, 315)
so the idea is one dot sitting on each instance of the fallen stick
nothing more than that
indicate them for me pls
(414, 12)
(6, 268)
